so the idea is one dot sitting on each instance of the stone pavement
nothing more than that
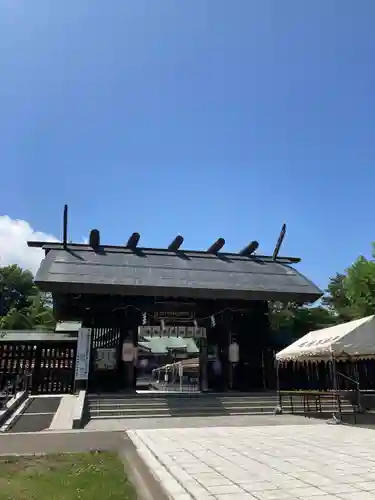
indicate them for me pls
(116, 424)
(110, 436)
(315, 462)
(63, 417)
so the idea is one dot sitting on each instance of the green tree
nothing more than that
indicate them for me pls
(336, 298)
(352, 294)
(295, 320)
(359, 286)
(22, 306)
(39, 314)
(281, 315)
(16, 286)
(307, 319)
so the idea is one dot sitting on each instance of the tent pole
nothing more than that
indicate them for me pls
(356, 371)
(263, 372)
(278, 392)
(335, 388)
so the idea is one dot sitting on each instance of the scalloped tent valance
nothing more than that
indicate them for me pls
(355, 339)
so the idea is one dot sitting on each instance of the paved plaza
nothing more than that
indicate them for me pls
(290, 462)
(114, 424)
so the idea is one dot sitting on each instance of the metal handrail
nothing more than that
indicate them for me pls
(6, 394)
(356, 382)
(19, 382)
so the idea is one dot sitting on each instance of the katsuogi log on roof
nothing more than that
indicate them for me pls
(70, 268)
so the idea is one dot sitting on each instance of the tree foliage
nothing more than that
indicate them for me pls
(22, 306)
(294, 320)
(336, 299)
(351, 295)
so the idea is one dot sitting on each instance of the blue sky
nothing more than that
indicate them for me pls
(207, 118)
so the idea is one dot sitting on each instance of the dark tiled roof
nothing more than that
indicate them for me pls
(159, 272)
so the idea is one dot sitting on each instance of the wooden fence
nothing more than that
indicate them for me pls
(48, 358)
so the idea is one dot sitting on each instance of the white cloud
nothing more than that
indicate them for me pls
(14, 235)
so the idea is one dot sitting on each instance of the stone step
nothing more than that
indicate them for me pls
(122, 416)
(196, 404)
(182, 402)
(202, 399)
(166, 410)
(204, 404)
(197, 395)
(186, 400)
(181, 395)
(260, 409)
(199, 413)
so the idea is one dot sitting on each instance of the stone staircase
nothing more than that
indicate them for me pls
(156, 405)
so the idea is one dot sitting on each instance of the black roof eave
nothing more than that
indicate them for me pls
(195, 293)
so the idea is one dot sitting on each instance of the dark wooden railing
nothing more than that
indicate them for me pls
(51, 365)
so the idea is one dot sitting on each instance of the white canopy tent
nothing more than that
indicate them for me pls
(355, 339)
(351, 341)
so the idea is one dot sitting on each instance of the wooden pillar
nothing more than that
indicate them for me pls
(217, 342)
(133, 320)
(134, 363)
(252, 332)
(226, 328)
(203, 365)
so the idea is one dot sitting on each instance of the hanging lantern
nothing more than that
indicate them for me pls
(234, 352)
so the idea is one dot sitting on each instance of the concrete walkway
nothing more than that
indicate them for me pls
(194, 422)
(63, 418)
(110, 434)
(37, 414)
(315, 462)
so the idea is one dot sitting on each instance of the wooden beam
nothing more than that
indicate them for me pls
(176, 243)
(279, 242)
(217, 246)
(133, 241)
(250, 248)
(65, 226)
(94, 238)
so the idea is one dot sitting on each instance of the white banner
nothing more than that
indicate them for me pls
(83, 354)
(172, 331)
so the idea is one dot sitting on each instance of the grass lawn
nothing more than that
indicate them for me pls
(86, 476)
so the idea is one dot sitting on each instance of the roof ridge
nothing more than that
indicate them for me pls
(83, 247)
